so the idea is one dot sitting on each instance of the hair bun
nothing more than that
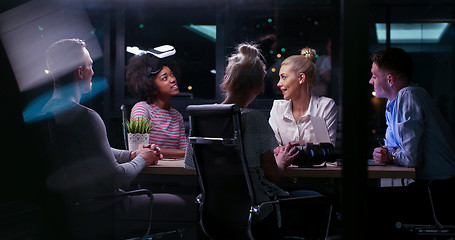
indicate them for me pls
(248, 51)
(308, 53)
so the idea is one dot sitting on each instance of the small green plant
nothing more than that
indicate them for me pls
(141, 125)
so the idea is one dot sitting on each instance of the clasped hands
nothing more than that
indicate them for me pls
(149, 152)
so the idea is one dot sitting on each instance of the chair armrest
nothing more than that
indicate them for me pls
(320, 199)
(117, 194)
(295, 201)
(307, 217)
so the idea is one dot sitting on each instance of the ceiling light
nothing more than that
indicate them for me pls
(412, 32)
(207, 31)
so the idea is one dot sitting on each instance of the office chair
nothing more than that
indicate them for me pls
(228, 204)
(442, 211)
(71, 217)
(126, 110)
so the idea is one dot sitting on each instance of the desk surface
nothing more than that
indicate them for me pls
(176, 167)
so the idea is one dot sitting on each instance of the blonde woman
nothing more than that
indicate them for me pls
(243, 81)
(290, 118)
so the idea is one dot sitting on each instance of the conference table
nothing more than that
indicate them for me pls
(176, 167)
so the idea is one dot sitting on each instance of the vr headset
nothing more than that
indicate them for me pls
(311, 155)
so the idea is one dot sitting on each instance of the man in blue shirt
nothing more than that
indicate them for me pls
(417, 136)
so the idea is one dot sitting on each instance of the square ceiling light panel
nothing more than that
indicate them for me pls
(412, 32)
(207, 31)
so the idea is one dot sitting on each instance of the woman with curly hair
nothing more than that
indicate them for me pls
(153, 83)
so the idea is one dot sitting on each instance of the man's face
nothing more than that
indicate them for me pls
(86, 73)
(380, 82)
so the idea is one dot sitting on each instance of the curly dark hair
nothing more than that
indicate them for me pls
(140, 74)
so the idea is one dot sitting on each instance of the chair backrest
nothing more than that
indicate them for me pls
(227, 194)
(442, 204)
(69, 216)
(126, 111)
(43, 132)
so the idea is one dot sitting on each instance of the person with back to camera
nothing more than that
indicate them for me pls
(416, 136)
(87, 166)
(290, 118)
(324, 66)
(154, 83)
(243, 81)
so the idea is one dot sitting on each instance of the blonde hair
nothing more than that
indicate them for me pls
(245, 71)
(303, 63)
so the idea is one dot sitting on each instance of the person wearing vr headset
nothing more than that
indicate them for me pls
(153, 82)
(290, 118)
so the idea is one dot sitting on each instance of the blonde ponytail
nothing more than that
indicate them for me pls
(308, 53)
(245, 71)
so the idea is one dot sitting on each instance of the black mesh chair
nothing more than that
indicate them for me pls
(228, 205)
(72, 218)
(126, 110)
(442, 211)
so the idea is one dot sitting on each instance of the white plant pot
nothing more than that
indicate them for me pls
(134, 139)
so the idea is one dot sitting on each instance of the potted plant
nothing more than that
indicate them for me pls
(138, 132)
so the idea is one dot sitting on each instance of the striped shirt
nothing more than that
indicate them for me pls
(168, 130)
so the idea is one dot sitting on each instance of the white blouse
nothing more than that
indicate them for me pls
(287, 130)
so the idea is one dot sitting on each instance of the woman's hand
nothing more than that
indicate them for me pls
(286, 155)
(277, 150)
(275, 163)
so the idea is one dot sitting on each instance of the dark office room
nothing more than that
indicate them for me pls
(110, 109)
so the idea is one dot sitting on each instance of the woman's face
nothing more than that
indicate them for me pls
(167, 83)
(289, 83)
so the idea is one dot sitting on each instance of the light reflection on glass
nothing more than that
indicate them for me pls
(32, 112)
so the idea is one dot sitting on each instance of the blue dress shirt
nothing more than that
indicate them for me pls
(424, 139)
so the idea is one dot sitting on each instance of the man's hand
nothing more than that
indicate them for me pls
(151, 153)
(133, 155)
(382, 155)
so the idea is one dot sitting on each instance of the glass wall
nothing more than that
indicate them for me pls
(190, 28)
(281, 28)
(205, 32)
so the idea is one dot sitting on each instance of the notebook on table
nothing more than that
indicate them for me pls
(321, 133)
(319, 150)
